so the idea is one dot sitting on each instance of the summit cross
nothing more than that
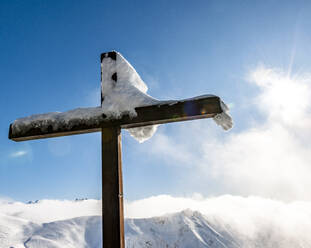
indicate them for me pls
(87, 120)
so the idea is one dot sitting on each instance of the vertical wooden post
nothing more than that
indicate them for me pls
(112, 189)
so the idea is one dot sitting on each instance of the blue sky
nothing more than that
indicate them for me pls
(50, 62)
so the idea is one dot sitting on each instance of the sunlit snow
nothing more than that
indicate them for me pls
(160, 221)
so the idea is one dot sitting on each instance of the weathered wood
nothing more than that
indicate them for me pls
(183, 110)
(112, 189)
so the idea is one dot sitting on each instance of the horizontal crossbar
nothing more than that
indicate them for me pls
(87, 120)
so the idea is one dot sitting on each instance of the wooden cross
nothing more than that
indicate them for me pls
(86, 120)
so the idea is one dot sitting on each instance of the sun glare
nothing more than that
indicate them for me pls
(286, 98)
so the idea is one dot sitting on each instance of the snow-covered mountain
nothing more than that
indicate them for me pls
(184, 229)
(25, 226)
(80, 232)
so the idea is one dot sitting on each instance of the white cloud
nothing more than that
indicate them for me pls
(18, 153)
(270, 158)
(169, 149)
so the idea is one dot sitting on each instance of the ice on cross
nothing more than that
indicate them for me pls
(123, 90)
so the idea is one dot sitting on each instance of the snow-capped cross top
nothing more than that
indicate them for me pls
(123, 90)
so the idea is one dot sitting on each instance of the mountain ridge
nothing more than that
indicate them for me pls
(220, 222)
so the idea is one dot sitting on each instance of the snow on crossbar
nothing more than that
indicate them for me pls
(87, 120)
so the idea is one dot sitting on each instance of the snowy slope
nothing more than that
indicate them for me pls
(186, 229)
(288, 225)
(73, 233)
(13, 231)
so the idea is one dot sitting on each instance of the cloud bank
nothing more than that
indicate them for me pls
(245, 216)
(270, 158)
